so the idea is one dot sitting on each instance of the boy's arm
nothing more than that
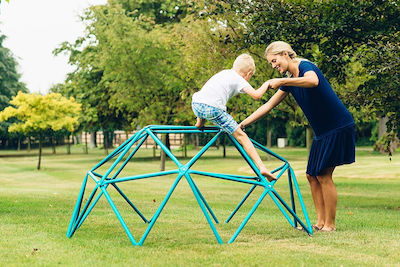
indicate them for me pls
(257, 94)
(264, 109)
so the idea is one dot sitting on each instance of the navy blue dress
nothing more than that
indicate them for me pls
(332, 123)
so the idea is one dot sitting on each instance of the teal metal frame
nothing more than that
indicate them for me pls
(184, 171)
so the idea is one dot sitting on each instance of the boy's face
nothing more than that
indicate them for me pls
(248, 75)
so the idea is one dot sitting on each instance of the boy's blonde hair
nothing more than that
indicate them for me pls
(278, 47)
(244, 63)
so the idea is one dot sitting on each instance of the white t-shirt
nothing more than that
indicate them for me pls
(219, 88)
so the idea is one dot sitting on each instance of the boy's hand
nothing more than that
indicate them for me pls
(241, 126)
(266, 84)
(275, 83)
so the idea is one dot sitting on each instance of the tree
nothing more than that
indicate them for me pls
(9, 84)
(330, 33)
(37, 114)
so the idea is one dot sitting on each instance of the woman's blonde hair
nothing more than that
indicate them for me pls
(278, 47)
(244, 63)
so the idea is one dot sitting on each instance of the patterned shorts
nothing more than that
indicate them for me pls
(215, 115)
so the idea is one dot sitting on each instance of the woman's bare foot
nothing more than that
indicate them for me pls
(317, 227)
(200, 122)
(328, 229)
(266, 173)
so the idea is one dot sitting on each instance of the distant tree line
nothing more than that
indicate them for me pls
(139, 62)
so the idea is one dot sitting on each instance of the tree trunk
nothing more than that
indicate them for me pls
(223, 146)
(163, 155)
(382, 129)
(105, 141)
(92, 142)
(68, 145)
(53, 144)
(167, 141)
(184, 146)
(86, 143)
(40, 151)
(19, 144)
(269, 135)
(29, 144)
(309, 137)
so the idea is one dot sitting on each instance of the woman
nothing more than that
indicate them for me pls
(333, 125)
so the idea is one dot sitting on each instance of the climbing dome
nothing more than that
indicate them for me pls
(123, 155)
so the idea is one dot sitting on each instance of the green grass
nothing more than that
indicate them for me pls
(36, 206)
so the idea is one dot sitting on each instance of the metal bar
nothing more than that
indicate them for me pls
(160, 208)
(224, 177)
(130, 203)
(202, 151)
(92, 175)
(263, 148)
(142, 176)
(254, 178)
(260, 199)
(144, 137)
(303, 207)
(240, 204)
(163, 147)
(291, 212)
(84, 210)
(205, 203)
(179, 129)
(274, 198)
(116, 151)
(84, 216)
(292, 196)
(203, 208)
(126, 149)
(78, 205)
(118, 215)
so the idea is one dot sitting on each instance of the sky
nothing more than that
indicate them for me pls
(34, 28)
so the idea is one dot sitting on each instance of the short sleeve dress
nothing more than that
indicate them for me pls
(332, 123)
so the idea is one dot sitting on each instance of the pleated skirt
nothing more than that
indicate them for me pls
(332, 149)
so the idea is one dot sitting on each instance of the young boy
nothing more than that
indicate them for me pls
(210, 103)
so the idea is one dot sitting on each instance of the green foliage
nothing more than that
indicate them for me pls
(330, 33)
(9, 77)
(36, 113)
(141, 61)
(9, 85)
(387, 143)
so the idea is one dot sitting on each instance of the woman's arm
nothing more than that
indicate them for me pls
(309, 80)
(264, 109)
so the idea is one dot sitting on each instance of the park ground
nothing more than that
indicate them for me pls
(36, 206)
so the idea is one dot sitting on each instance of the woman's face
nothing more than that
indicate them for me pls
(279, 62)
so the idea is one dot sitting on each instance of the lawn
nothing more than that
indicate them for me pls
(36, 206)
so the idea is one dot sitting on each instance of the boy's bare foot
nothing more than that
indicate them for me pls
(266, 173)
(200, 123)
